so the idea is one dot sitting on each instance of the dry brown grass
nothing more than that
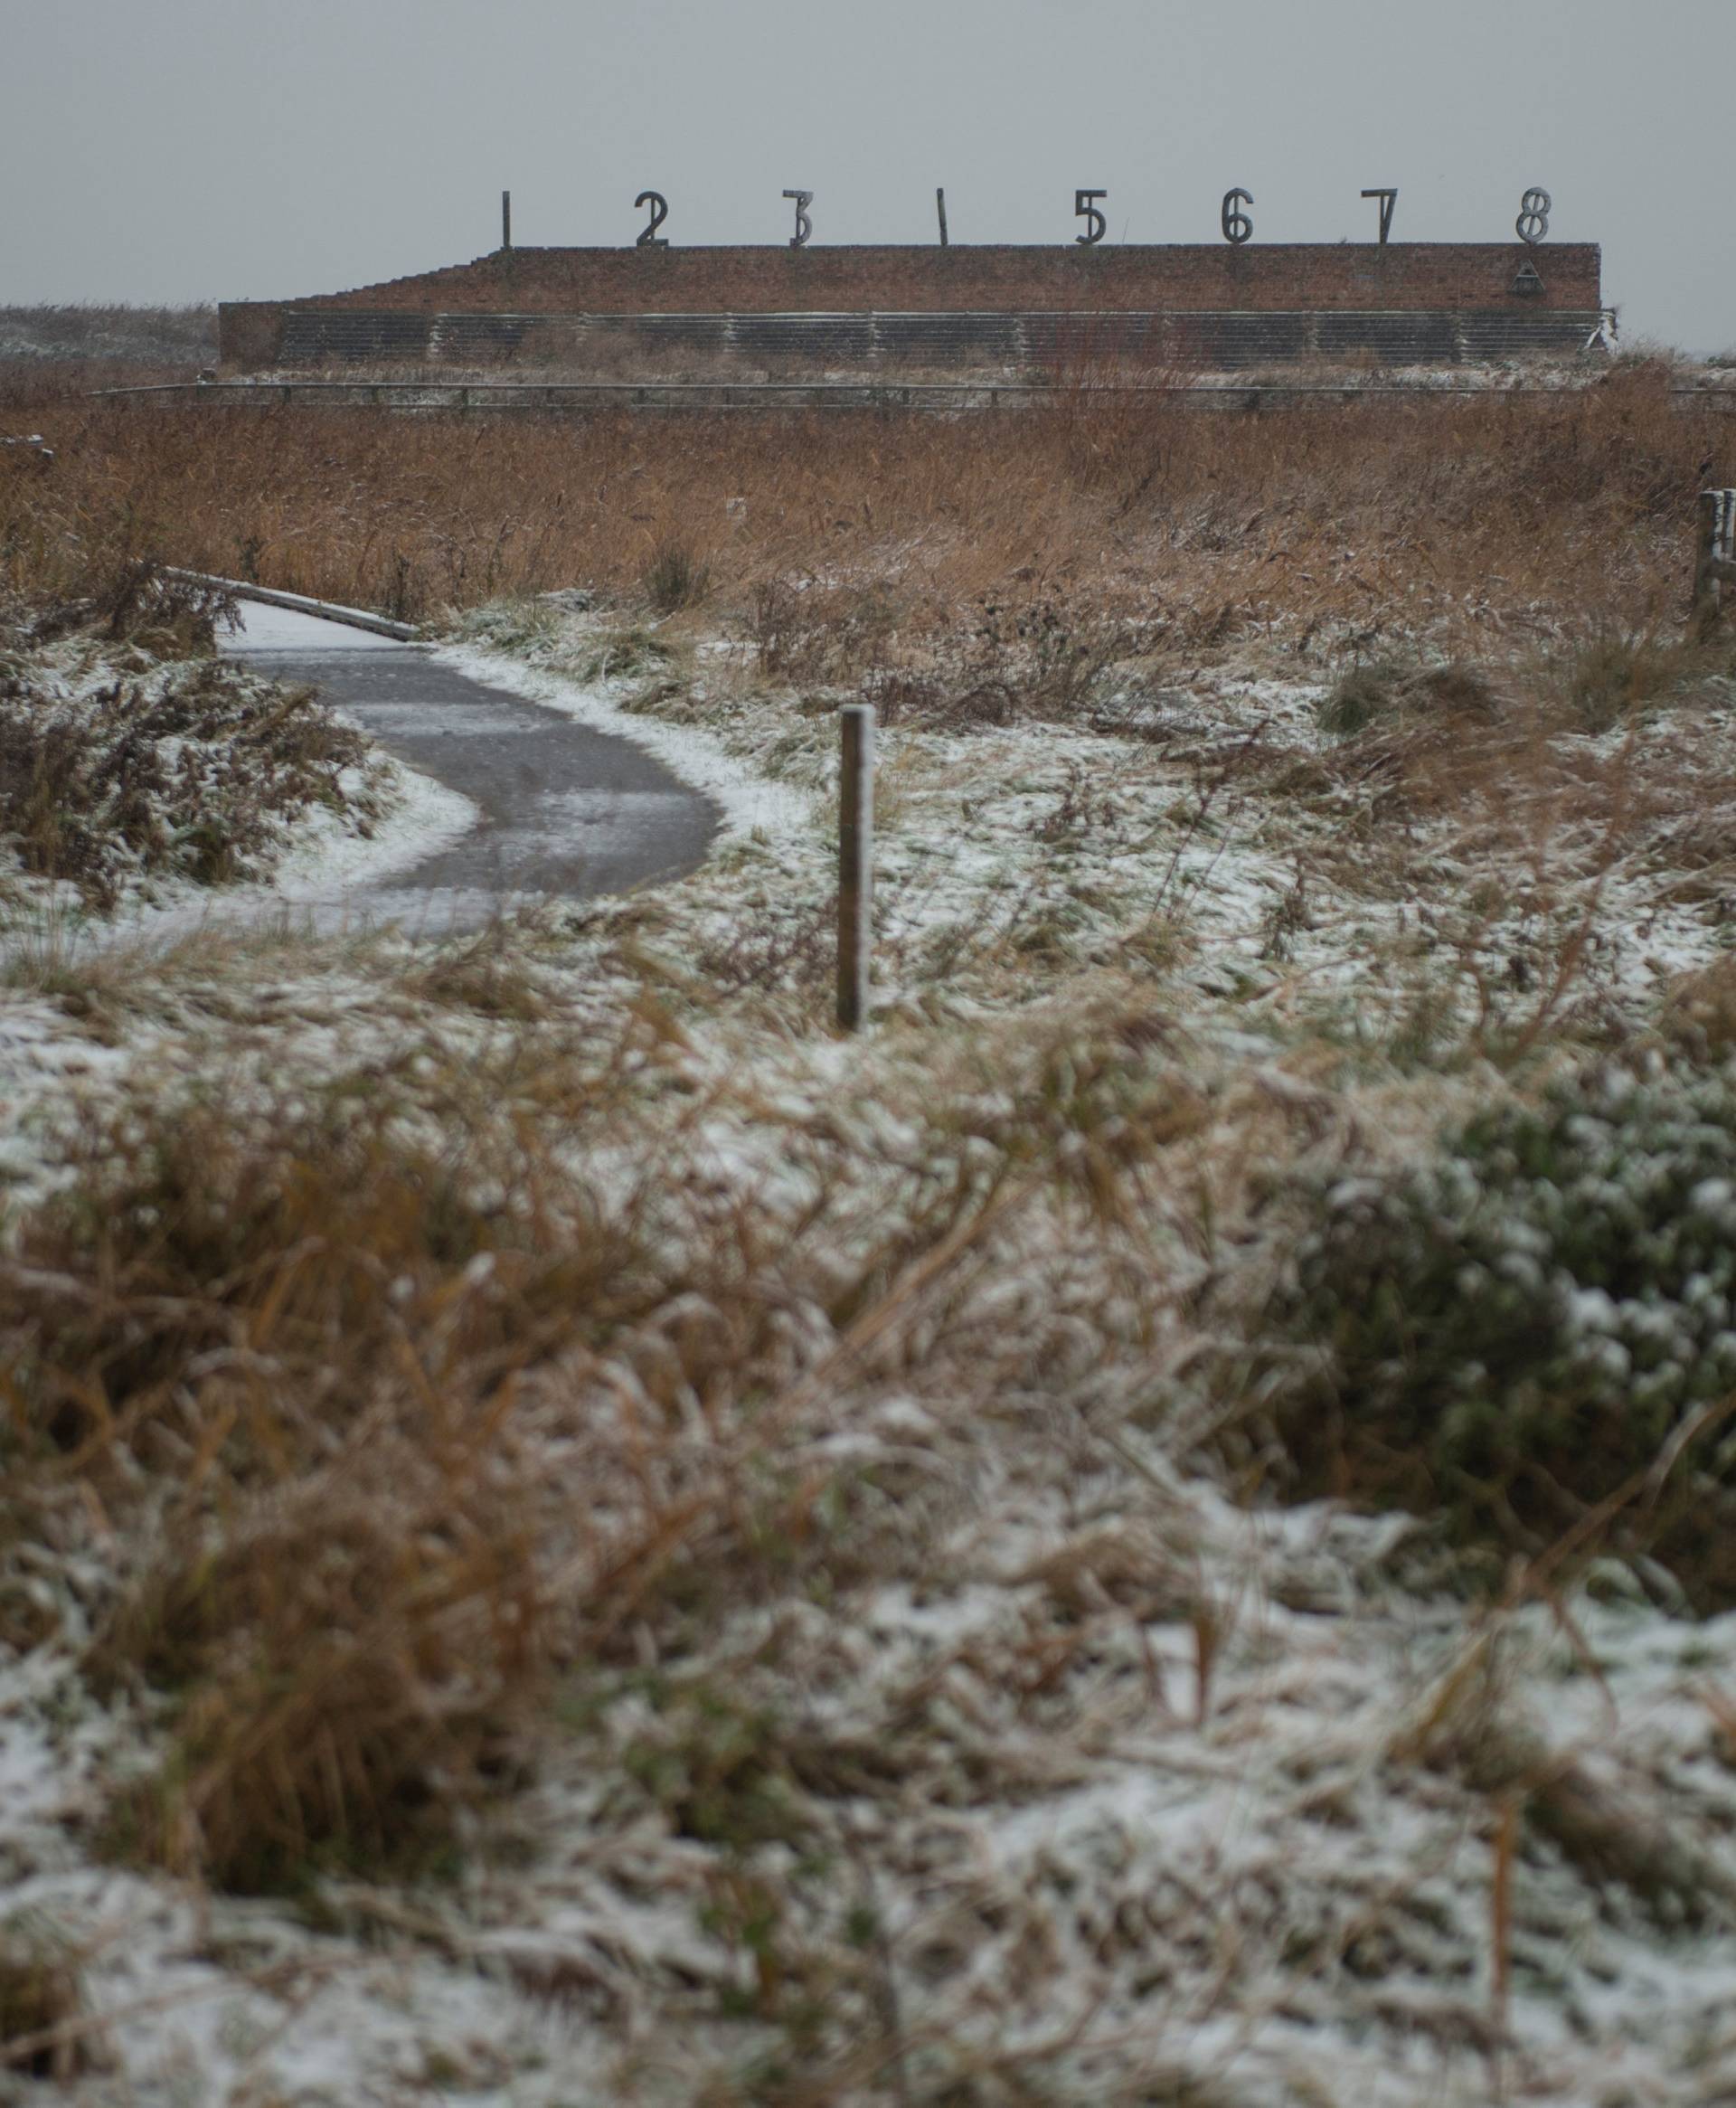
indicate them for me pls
(40, 2008)
(1378, 516)
(316, 1329)
(603, 1381)
(395, 1412)
(1700, 1015)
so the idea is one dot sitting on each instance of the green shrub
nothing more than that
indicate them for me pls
(1516, 1330)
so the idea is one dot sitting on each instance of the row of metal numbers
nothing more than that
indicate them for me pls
(1531, 226)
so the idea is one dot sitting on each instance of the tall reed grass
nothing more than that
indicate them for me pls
(1376, 513)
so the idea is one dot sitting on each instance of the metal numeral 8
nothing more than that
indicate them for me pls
(1532, 222)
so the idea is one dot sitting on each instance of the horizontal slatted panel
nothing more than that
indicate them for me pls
(1222, 340)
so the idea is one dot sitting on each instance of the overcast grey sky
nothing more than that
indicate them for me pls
(177, 149)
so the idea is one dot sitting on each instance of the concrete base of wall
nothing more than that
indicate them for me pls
(808, 345)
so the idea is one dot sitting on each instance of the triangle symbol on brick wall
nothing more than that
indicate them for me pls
(1526, 280)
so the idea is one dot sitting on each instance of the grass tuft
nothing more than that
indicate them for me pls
(1617, 672)
(676, 578)
(1388, 693)
(41, 2006)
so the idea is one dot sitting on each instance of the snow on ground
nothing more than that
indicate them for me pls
(263, 627)
(751, 803)
(331, 852)
(1209, 1796)
(327, 877)
(326, 873)
(1266, 1885)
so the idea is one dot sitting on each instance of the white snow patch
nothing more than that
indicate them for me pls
(331, 874)
(260, 628)
(751, 803)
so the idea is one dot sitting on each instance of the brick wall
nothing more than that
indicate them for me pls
(1269, 276)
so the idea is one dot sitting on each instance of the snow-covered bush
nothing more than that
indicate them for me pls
(1517, 1329)
(184, 768)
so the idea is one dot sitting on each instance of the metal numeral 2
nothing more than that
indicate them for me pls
(659, 205)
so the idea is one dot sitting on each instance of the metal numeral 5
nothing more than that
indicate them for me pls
(1085, 208)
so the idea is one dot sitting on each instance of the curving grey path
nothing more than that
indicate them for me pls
(564, 811)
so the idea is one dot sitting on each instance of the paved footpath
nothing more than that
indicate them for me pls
(562, 811)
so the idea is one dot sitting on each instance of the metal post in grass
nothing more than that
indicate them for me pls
(1716, 558)
(856, 861)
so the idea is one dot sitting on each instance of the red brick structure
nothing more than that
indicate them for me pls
(1552, 292)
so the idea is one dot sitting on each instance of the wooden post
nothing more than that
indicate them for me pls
(505, 219)
(856, 861)
(1716, 558)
